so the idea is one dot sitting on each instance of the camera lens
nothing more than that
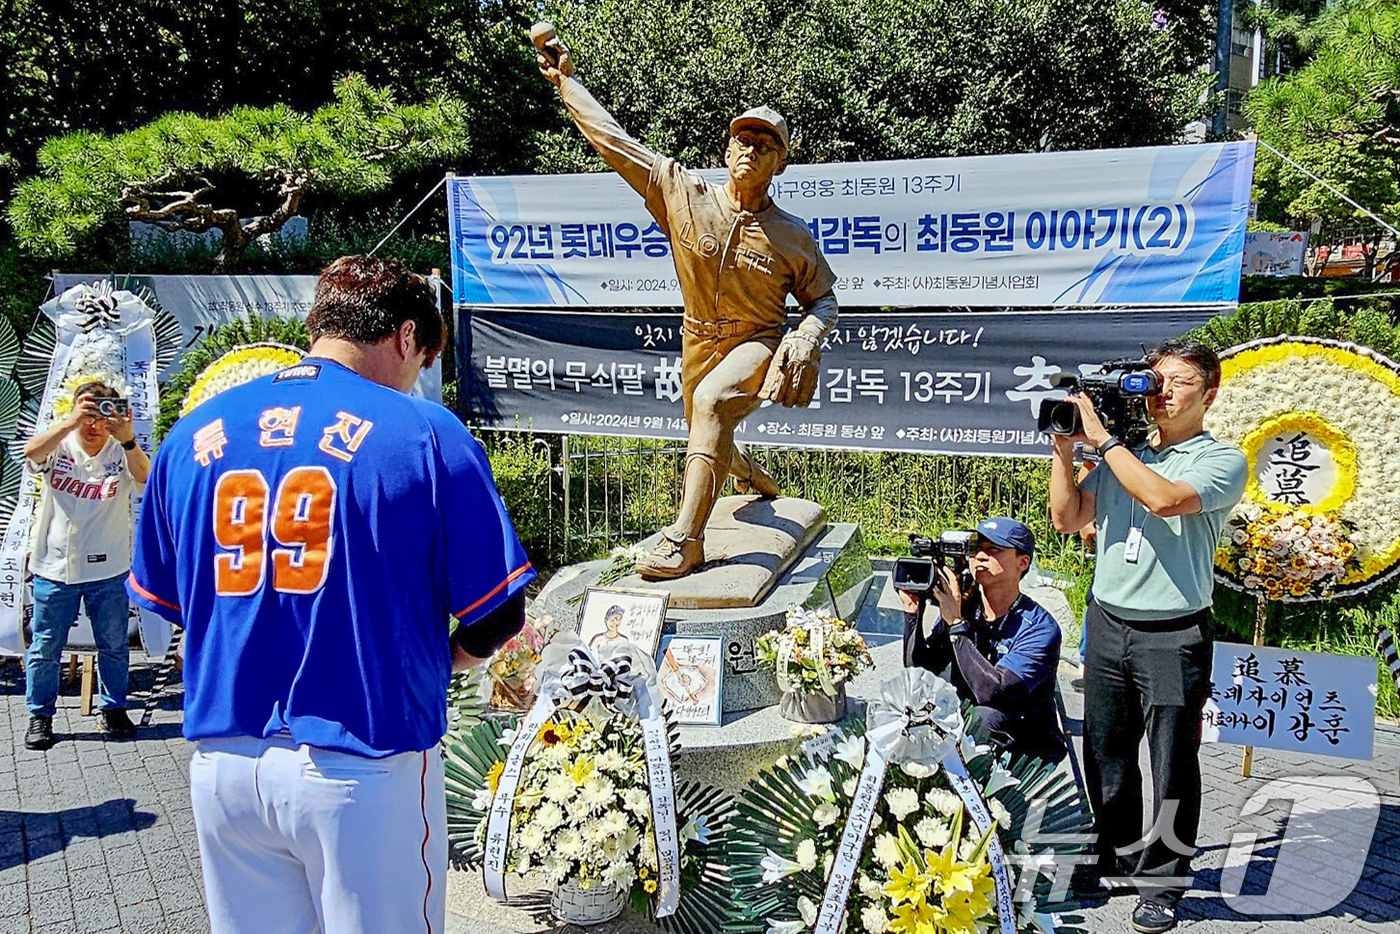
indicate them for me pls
(1059, 418)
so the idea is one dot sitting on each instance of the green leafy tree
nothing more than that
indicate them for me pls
(108, 65)
(883, 79)
(1338, 117)
(244, 174)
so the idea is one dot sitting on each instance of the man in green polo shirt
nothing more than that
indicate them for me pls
(1158, 509)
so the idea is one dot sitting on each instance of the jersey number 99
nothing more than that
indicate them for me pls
(299, 523)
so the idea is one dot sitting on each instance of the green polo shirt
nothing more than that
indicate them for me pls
(1173, 575)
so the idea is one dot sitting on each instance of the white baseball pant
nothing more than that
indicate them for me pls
(303, 840)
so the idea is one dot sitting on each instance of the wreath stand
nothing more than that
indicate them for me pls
(1261, 616)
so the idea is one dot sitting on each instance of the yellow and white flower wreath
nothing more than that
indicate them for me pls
(1345, 397)
(240, 365)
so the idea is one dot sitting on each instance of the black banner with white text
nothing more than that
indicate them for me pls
(947, 382)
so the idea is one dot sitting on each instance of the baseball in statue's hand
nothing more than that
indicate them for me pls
(553, 57)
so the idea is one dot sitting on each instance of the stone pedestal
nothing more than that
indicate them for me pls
(765, 551)
(749, 543)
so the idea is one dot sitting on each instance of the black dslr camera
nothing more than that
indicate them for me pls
(112, 408)
(1119, 391)
(917, 574)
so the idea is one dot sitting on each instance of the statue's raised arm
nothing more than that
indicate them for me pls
(619, 149)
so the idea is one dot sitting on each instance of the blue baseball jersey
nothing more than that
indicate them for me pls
(313, 531)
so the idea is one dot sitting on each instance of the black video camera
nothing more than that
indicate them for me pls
(918, 573)
(1119, 391)
(112, 408)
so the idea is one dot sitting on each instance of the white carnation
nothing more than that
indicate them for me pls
(825, 814)
(874, 919)
(806, 854)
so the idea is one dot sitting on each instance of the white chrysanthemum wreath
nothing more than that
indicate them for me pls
(1344, 397)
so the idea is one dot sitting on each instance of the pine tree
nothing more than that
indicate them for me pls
(245, 173)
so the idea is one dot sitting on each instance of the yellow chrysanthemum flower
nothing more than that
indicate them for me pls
(493, 777)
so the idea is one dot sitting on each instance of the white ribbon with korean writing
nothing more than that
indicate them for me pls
(917, 718)
(623, 681)
(79, 313)
(977, 809)
(816, 650)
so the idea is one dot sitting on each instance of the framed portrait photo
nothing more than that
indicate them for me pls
(612, 616)
(690, 671)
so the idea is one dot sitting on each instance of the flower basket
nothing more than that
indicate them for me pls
(813, 706)
(573, 904)
(812, 657)
(579, 791)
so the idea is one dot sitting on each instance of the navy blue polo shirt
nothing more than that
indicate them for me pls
(1026, 642)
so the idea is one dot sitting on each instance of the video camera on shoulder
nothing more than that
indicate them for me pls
(1119, 390)
(917, 574)
(112, 408)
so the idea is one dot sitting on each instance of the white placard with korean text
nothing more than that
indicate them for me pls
(1295, 701)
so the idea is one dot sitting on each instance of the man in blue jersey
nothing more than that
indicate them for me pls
(314, 530)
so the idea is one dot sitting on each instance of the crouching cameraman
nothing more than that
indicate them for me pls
(999, 647)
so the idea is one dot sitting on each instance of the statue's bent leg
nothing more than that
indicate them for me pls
(749, 475)
(719, 402)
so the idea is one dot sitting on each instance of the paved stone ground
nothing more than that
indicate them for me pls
(97, 836)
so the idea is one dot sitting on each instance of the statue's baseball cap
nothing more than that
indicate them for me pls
(766, 119)
(1008, 533)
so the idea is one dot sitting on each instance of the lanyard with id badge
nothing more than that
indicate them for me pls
(1132, 546)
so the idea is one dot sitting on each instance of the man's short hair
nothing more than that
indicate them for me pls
(366, 299)
(614, 612)
(97, 389)
(1193, 352)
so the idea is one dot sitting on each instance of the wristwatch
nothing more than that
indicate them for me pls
(1109, 445)
(959, 628)
(129, 445)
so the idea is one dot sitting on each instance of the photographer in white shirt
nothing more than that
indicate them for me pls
(81, 551)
